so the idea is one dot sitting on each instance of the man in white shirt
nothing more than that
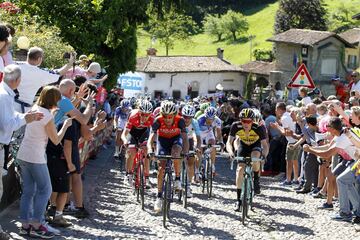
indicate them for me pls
(34, 77)
(10, 120)
(287, 129)
(356, 83)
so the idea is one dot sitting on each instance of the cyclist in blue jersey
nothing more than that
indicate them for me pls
(193, 132)
(208, 123)
(121, 116)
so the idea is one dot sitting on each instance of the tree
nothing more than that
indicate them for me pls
(41, 36)
(213, 26)
(106, 28)
(248, 91)
(234, 23)
(264, 55)
(171, 27)
(309, 14)
(341, 19)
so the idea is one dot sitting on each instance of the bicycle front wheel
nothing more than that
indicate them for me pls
(185, 185)
(142, 187)
(166, 198)
(245, 206)
(209, 177)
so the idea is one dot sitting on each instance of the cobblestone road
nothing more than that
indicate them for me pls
(279, 212)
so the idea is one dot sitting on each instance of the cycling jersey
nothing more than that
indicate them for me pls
(216, 123)
(164, 131)
(122, 117)
(134, 121)
(198, 114)
(254, 136)
(193, 128)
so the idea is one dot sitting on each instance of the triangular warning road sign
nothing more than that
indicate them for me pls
(302, 78)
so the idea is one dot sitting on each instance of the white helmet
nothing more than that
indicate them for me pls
(258, 116)
(145, 106)
(188, 111)
(168, 107)
(210, 112)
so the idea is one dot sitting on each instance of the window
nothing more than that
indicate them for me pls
(328, 66)
(352, 62)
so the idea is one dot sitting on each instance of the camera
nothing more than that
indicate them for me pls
(67, 55)
(316, 91)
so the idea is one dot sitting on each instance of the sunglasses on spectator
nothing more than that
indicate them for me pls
(246, 121)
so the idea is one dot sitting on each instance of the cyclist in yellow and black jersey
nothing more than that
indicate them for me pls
(252, 144)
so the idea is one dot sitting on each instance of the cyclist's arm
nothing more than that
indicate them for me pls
(229, 147)
(152, 138)
(116, 121)
(219, 135)
(124, 135)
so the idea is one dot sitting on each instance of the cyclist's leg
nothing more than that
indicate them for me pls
(256, 153)
(130, 155)
(118, 141)
(163, 148)
(211, 140)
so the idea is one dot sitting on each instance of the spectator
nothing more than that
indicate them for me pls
(34, 77)
(354, 84)
(303, 92)
(4, 35)
(287, 129)
(340, 89)
(345, 177)
(10, 120)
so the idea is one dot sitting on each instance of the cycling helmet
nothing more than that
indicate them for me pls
(210, 112)
(168, 107)
(257, 117)
(156, 112)
(188, 111)
(247, 113)
(204, 106)
(125, 103)
(145, 106)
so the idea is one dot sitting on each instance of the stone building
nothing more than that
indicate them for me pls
(352, 55)
(321, 51)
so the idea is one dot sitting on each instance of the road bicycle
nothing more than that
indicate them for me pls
(167, 186)
(139, 172)
(247, 193)
(206, 169)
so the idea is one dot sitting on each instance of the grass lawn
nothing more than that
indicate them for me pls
(261, 21)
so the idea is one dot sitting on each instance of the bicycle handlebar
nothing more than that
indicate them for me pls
(166, 157)
(217, 147)
(246, 160)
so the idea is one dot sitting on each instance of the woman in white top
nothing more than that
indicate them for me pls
(33, 164)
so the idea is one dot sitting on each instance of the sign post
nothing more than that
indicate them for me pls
(302, 78)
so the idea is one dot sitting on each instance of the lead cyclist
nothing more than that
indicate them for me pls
(252, 144)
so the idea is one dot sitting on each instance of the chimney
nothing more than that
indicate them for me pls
(151, 52)
(220, 53)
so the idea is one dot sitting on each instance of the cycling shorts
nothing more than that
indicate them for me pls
(191, 144)
(246, 150)
(137, 136)
(206, 136)
(121, 124)
(164, 145)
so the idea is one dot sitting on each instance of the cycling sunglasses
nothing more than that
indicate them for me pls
(187, 117)
(168, 116)
(145, 114)
(246, 121)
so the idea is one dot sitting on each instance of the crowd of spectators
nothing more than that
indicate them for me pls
(49, 111)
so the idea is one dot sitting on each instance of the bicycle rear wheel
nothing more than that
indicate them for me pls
(209, 177)
(245, 206)
(142, 187)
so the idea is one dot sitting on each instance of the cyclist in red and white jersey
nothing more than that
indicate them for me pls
(170, 130)
(137, 131)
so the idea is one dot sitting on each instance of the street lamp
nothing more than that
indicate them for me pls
(23, 43)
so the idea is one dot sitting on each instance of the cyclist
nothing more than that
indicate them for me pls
(203, 107)
(170, 129)
(121, 116)
(193, 132)
(252, 144)
(137, 131)
(208, 122)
